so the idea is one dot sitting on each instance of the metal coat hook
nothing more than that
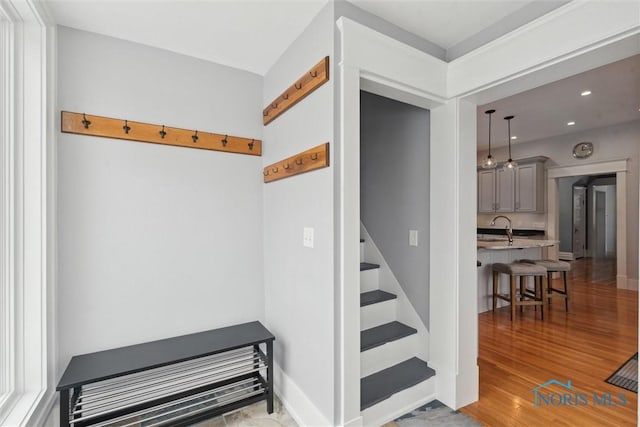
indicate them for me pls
(251, 144)
(162, 133)
(194, 137)
(85, 122)
(298, 86)
(265, 113)
(313, 74)
(126, 127)
(224, 141)
(274, 105)
(285, 96)
(305, 161)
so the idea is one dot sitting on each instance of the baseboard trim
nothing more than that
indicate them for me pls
(42, 413)
(621, 282)
(632, 284)
(299, 406)
(53, 417)
(565, 256)
(356, 422)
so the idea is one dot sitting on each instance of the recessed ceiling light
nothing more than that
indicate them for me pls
(571, 123)
(585, 93)
(514, 137)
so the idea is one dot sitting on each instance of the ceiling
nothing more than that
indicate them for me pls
(252, 34)
(246, 34)
(445, 23)
(544, 112)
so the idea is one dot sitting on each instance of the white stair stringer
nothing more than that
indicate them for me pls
(400, 403)
(404, 310)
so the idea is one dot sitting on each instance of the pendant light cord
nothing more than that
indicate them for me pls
(489, 134)
(509, 127)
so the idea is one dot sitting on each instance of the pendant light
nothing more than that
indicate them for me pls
(510, 165)
(489, 162)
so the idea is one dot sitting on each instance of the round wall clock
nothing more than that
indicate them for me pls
(582, 150)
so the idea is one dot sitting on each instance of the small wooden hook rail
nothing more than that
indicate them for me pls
(310, 81)
(84, 124)
(312, 159)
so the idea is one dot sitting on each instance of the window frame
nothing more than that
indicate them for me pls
(27, 213)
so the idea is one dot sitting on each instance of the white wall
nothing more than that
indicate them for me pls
(154, 241)
(610, 143)
(299, 281)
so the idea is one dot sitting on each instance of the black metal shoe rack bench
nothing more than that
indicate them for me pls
(176, 381)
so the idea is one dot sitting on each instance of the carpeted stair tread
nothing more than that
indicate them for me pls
(374, 297)
(383, 384)
(379, 335)
(368, 266)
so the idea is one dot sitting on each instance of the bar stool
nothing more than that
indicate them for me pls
(521, 270)
(554, 267)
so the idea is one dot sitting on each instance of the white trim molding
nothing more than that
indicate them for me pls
(28, 216)
(593, 168)
(6, 212)
(299, 406)
(620, 168)
(542, 44)
(565, 256)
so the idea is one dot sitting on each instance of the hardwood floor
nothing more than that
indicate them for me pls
(585, 346)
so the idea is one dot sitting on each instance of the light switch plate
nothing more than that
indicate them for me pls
(307, 237)
(413, 237)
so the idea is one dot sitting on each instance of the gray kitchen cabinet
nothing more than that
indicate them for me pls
(512, 190)
(529, 187)
(487, 191)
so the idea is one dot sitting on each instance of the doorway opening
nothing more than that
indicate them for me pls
(609, 178)
(587, 217)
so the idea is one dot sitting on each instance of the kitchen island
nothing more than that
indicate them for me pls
(497, 249)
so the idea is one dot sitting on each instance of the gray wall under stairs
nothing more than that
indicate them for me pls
(394, 189)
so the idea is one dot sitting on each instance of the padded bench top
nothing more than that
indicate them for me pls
(549, 264)
(520, 269)
(103, 365)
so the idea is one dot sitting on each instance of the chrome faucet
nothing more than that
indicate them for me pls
(508, 229)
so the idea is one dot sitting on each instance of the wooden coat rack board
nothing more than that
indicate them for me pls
(312, 159)
(82, 124)
(306, 84)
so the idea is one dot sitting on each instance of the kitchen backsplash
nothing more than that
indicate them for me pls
(533, 221)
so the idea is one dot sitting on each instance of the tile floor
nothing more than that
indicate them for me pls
(253, 416)
(431, 414)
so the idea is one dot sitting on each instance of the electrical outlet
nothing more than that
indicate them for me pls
(413, 237)
(307, 237)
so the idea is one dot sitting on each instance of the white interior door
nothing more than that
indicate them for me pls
(579, 222)
(601, 224)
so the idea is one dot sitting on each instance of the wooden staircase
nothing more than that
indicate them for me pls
(394, 380)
